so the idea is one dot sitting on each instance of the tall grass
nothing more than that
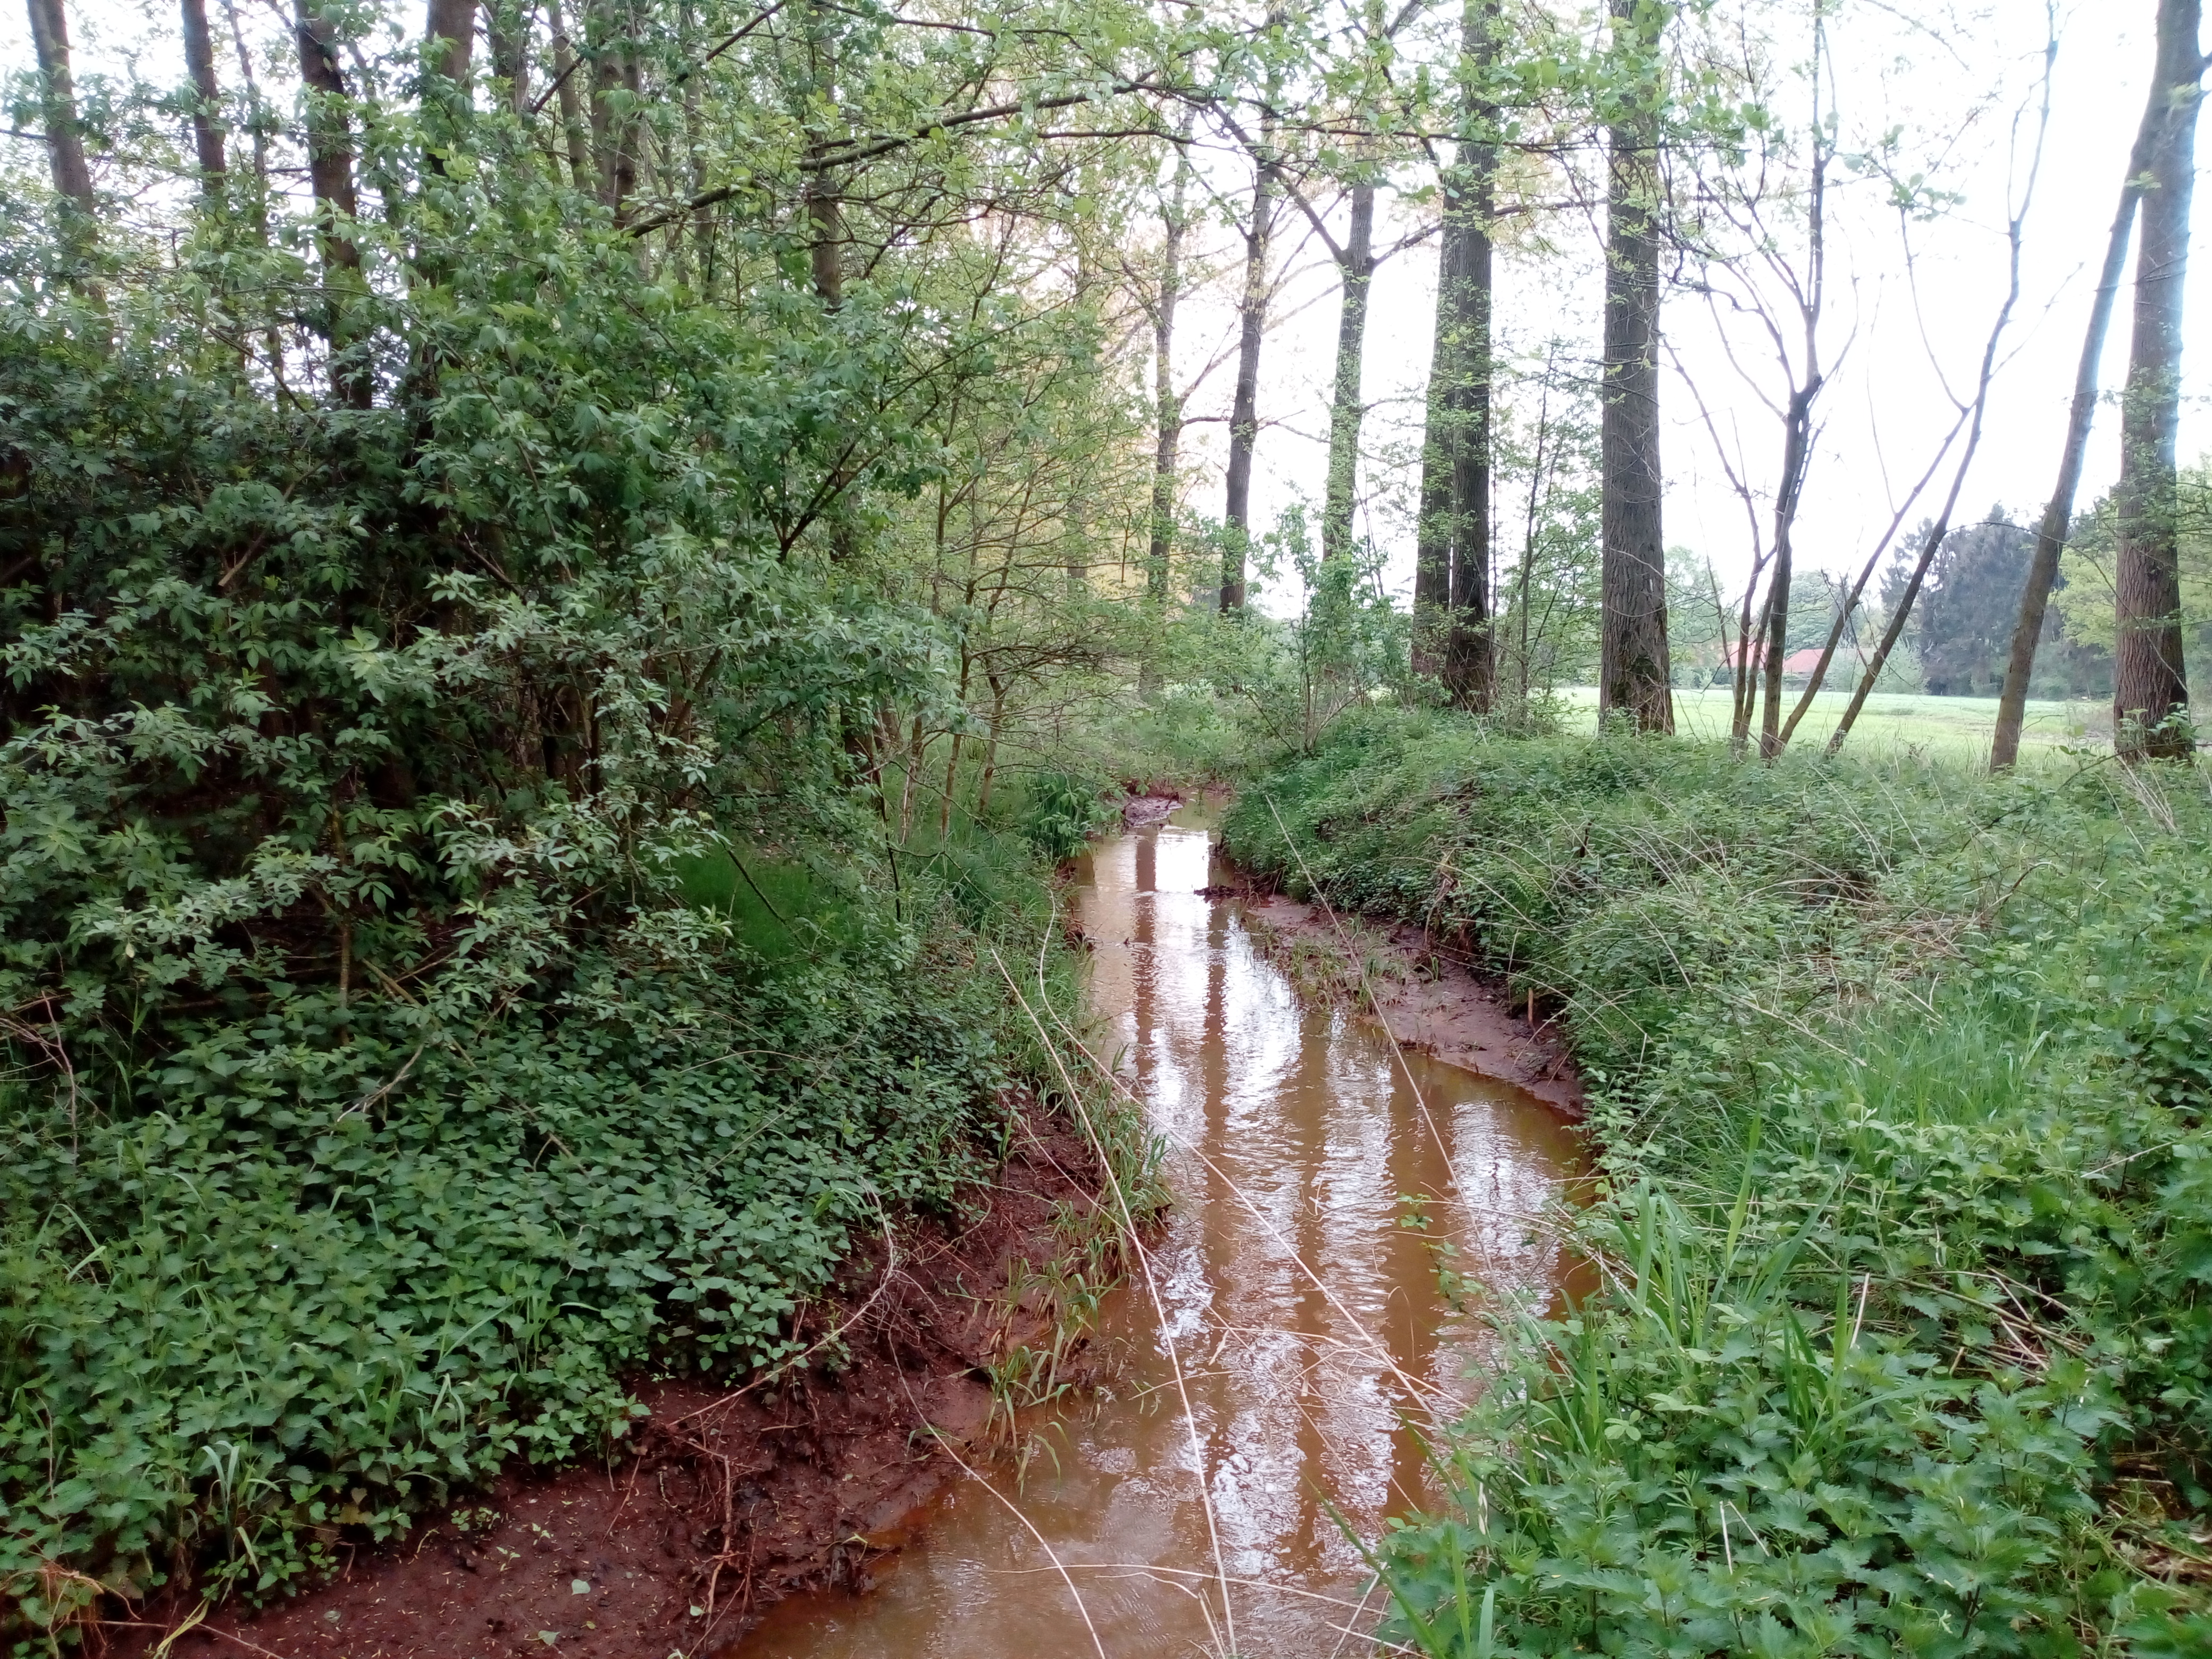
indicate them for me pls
(1902, 1334)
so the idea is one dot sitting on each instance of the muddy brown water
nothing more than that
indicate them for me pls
(1306, 1319)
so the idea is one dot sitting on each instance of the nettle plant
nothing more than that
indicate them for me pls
(376, 1099)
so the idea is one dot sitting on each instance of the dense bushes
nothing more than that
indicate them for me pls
(1906, 1230)
(376, 1094)
(310, 1274)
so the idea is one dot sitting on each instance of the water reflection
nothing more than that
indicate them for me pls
(1306, 1315)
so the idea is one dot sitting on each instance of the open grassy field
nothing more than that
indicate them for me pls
(1949, 728)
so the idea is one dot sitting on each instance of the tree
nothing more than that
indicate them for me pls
(2150, 685)
(1166, 406)
(1635, 675)
(2058, 512)
(1451, 571)
(207, 106)
(1251, 332)
(58, 108)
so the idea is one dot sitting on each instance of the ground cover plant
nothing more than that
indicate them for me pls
(1905, 1230)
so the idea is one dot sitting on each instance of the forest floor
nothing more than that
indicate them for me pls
(733, 1497)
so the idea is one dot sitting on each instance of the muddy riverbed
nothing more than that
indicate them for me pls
(1268, 1372)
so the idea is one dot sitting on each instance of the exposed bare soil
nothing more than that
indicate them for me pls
(1423, 993)
(731, 1498)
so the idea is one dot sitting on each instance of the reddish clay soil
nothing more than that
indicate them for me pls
(731, 1498)
(1427, 998)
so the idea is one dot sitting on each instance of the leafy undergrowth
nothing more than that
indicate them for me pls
(1904, 1339)
(309, 1272)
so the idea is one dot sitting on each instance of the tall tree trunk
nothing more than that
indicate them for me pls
(1244, 412)
(2058, 512)
(1468, 664)
(506, 26)
(58, 99)
(454, 22)
(580, 174)
(207, 106)
(616, 88)
(1167, 412)
(1356, 265)
(330, 177)
(2150, 684)
(452, 25)
(1635, 673)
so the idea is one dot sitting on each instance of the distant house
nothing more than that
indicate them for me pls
(1797, 665)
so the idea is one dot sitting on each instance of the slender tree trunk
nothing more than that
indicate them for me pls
(2058, 512)
(565, 70)
(207, 96)
(1167, 414)
(1635, 671)
(825, 252)
(330, 177)
(1849, 599)
(1797, 451)
(1355, 263)
(57, 99)
(1976, 411)
(1244, 413)
(1433, 524)
(2150, 683)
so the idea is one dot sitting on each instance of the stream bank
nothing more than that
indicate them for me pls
(733, 1497)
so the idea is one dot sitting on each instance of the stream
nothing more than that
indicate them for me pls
(1300, 1309)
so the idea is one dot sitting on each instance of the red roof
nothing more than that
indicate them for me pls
(1797, 662)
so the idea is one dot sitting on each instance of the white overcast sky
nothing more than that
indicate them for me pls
(1921, 67)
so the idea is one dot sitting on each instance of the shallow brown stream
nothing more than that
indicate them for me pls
(1303, 1314)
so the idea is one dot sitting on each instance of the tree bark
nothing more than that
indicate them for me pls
(1355, 261)
(616, 88)
(329, 177)
(207, 130)
(58, 99)
(1451, 568)
(454, 22)
(2058, 512)
(1244, 412)
(1167, 411)
(1796, 451)
(1635, 672)
(572, 108)
(507, 26)
(1469, 663)
(2150, 683)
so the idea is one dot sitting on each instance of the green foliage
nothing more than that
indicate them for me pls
(1900, 1341)
(1060, 812)
(315, 1271)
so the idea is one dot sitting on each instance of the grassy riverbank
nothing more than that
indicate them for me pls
(276, 1285)
(1905, 1344)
